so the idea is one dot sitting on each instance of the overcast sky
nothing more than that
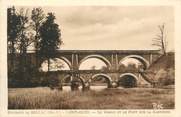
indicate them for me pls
(113, 27)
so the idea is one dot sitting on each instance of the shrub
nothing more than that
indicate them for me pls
(165, 77)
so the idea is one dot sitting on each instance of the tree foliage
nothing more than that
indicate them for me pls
(37, 17)
(26, 31)
(50, 38)
(165, 77)
(24, 38)
(13, 30)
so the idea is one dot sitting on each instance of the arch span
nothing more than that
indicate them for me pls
(66, 61)
(128, 74)
(107, 77)
(128, 80)
(80, 81)
(64, 78)
(139, 58)
(56, 61)
(102, 58)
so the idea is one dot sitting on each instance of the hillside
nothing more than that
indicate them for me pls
(163, 70)
(164, 62)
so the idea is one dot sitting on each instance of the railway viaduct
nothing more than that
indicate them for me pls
(112, 58)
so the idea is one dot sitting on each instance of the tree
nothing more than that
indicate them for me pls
(160, 39)
(37, 18)
(25, 73)
(50, 38)
(58, 65)
(13, 30)
(24, 38)
(19, 36)
(19, 39)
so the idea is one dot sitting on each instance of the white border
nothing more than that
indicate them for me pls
(3, 55)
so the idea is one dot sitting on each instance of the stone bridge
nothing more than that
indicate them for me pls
(112, 58)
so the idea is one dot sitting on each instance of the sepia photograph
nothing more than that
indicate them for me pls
(91, 57)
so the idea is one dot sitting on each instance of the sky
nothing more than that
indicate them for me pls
(113, 27)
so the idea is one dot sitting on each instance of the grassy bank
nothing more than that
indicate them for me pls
(44, 98)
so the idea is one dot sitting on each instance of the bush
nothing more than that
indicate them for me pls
(165, 77)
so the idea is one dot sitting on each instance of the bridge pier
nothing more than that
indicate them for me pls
(114, 84)
(114, 62)
(74, 82)
(110, 85)
(86, 86)
(60, 87)
(74, 86)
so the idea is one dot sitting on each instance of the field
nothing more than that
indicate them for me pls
(128, 98)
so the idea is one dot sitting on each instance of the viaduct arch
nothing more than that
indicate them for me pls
(112, 58)
(128, 80)
(137, 57)
(105, 76)
(100, 57)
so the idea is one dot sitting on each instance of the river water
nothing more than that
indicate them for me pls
(96, 88)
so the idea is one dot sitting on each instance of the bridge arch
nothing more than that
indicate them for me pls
(100, 57)
(64, 78)
(137, 57)
(127, 80)
(80, 80)
(128, 74)
(66, 61)
(61, 58)
(107, 77)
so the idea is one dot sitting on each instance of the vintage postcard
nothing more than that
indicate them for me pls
(90, 58)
